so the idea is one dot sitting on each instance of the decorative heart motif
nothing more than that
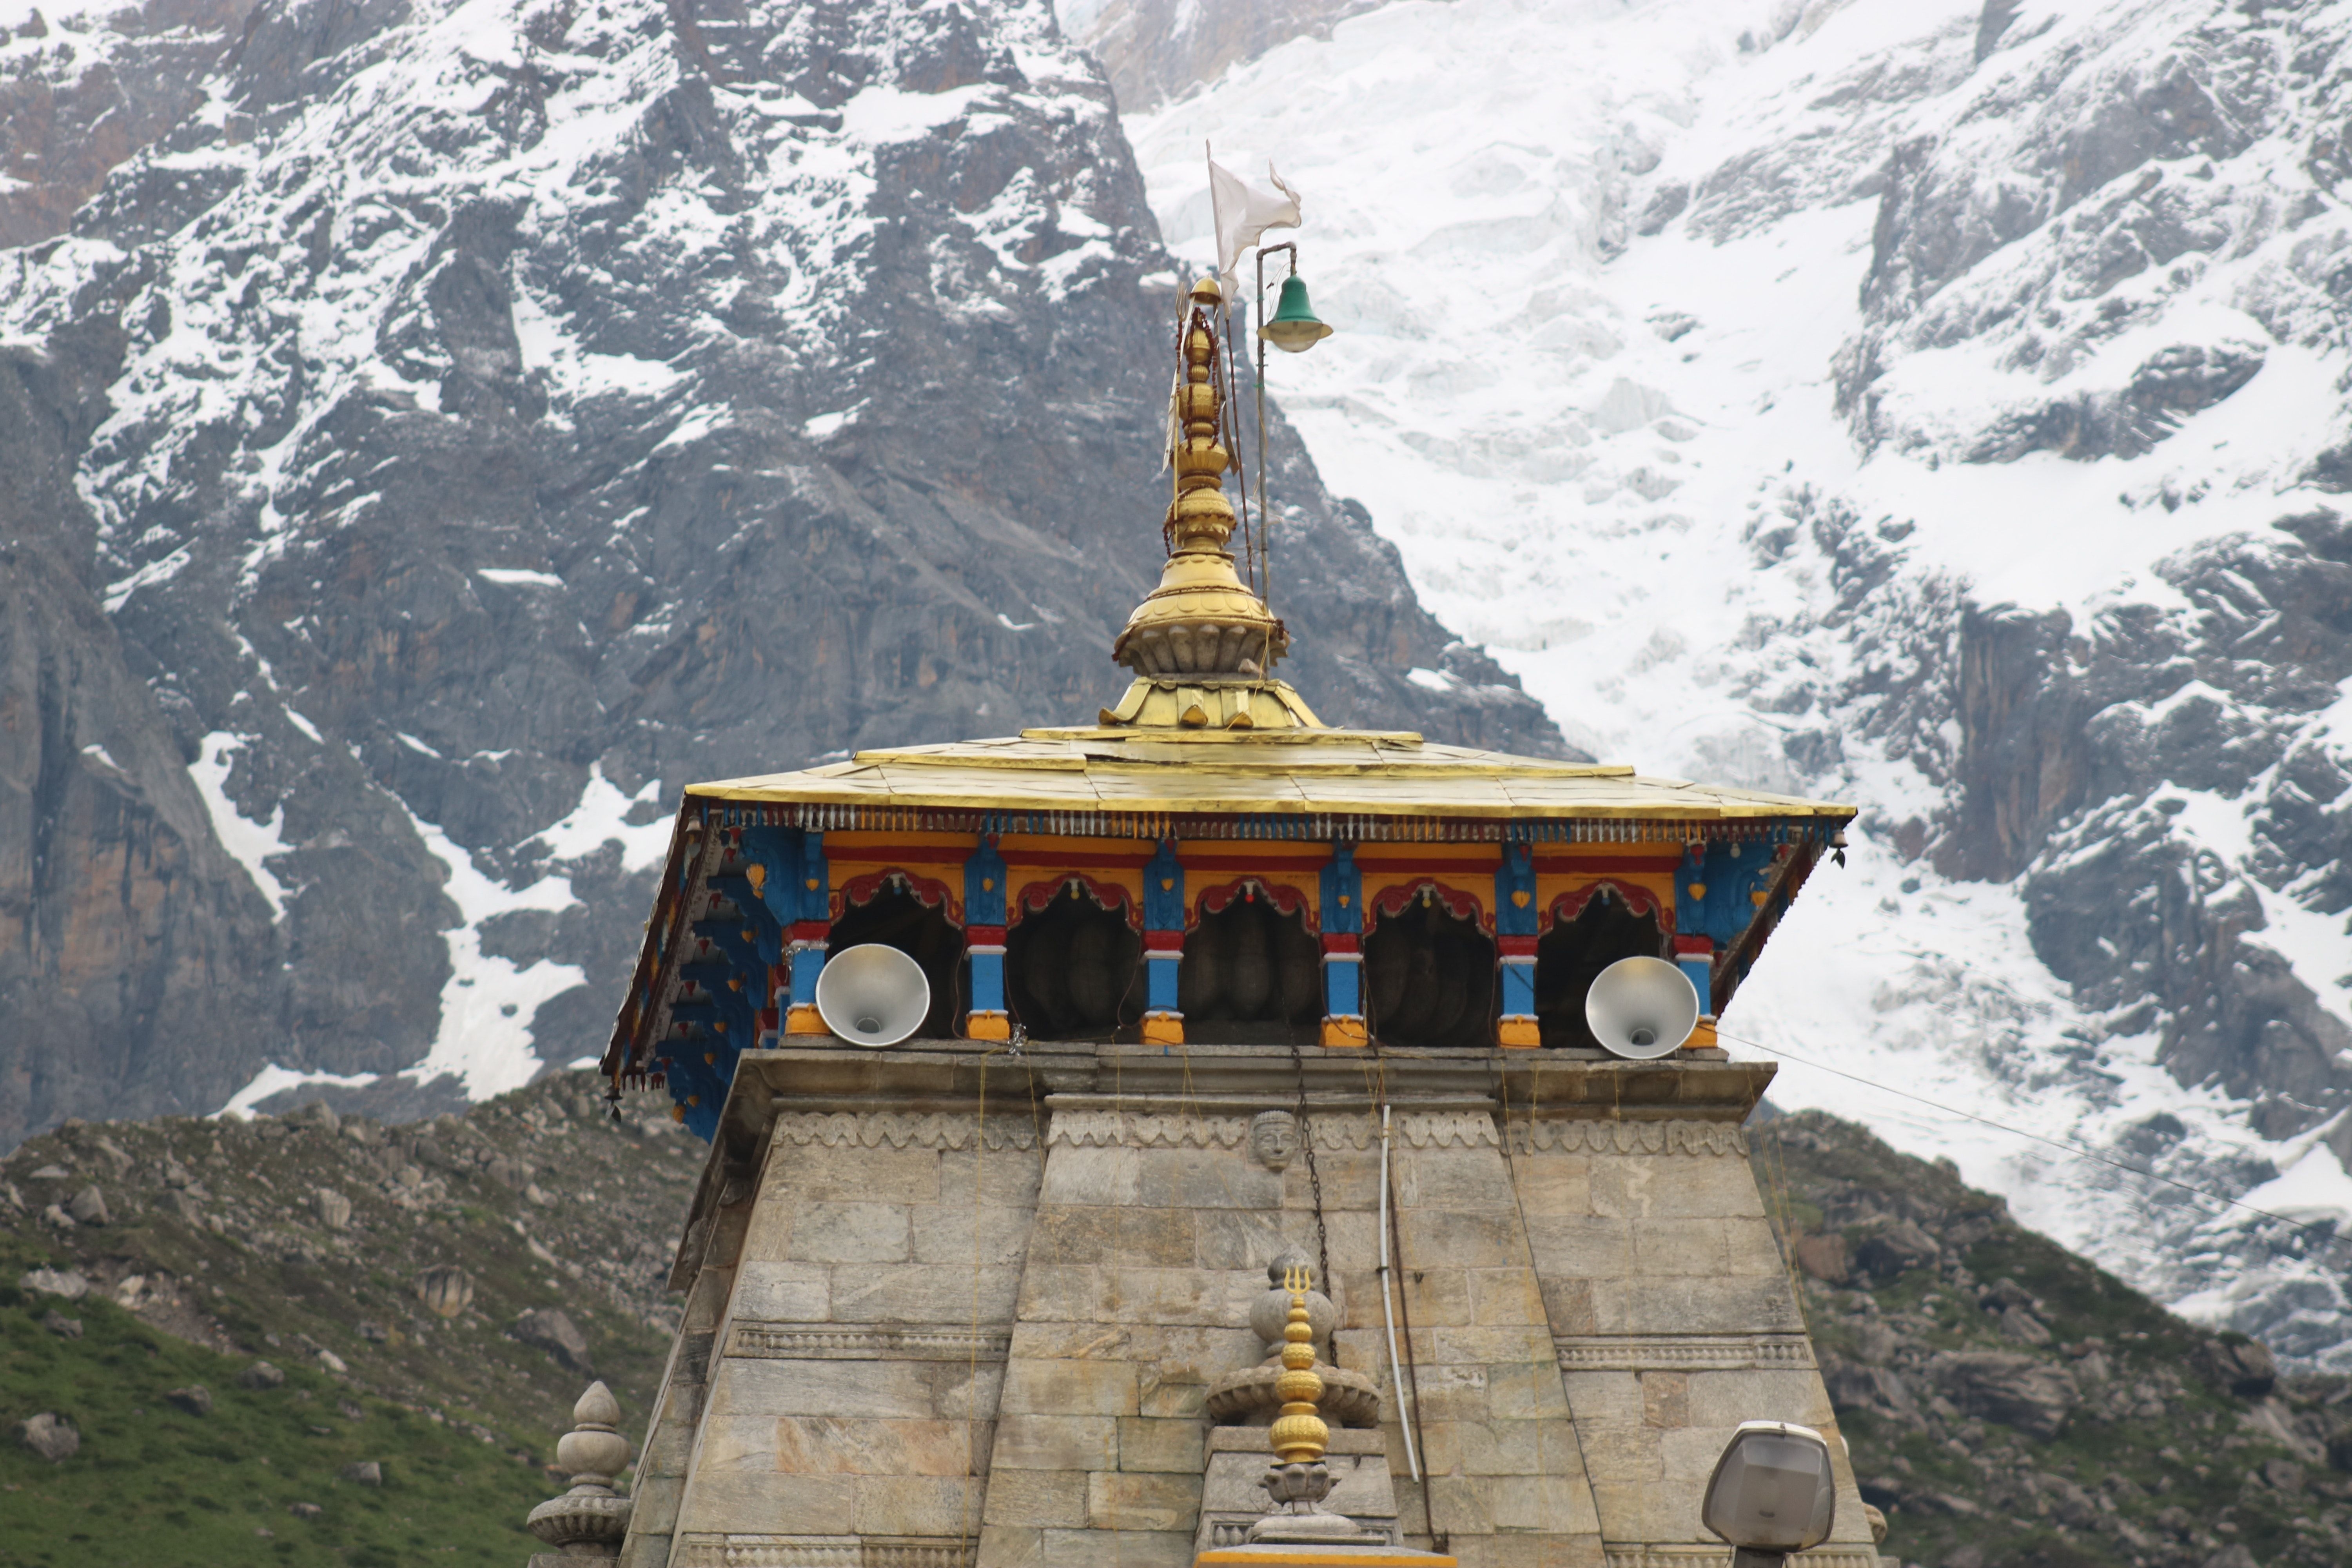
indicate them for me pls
(1167, 884)
(1519, 900)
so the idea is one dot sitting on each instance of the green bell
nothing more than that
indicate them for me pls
(1294, 329)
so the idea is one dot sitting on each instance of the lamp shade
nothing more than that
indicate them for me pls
(1294, 329)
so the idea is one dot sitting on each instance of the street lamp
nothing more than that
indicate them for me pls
(1294, 329)
(1772, 1493)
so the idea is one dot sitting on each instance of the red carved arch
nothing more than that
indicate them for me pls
(1638, 900)
(1036, 896)
(928, 891)
(1288, 901)
(1462, 906)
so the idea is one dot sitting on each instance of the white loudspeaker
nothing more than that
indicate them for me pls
(872, 994)
(1642, 1007)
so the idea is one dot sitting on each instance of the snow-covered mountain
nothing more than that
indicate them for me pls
(1937, 402)
(431, 431)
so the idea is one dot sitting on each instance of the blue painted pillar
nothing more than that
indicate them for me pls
(1163, 945)
(984, 942)
(1340, 913)
(1515, 929)
(811, 927)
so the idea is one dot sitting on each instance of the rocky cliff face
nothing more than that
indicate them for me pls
(445, 429)
(1938, 405)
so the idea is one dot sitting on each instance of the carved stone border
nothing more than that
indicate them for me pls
(1337, 1131)
(1580, 1137)
(861, 1341)
(898, 1129)
(1694, 1554)
(1683, 1353)
(701, 1551)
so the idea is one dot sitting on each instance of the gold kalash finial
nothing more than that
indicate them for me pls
(1298, 1480)
(1299, 1434)
(1202, 646)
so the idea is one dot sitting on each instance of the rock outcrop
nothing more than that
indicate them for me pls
(462, 429)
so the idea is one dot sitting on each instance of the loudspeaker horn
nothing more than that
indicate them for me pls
(872, 994)
(1642, 1007)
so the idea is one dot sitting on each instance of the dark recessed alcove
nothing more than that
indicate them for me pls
(1072, 970)
(895, 917)
(1428, 978)
(1572, 954)
(1251, 975)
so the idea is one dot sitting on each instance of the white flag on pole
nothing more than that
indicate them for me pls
(1244, 213)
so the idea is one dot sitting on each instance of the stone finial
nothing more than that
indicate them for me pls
(1298, 1479)
(588, 1522)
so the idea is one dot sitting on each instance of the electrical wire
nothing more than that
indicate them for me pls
(2324, 1231)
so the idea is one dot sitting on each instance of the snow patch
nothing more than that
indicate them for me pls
(252, 844)
(275, 1079)
(602, 818)
(488, 1002)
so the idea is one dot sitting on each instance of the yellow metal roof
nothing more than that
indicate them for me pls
(1338, 772)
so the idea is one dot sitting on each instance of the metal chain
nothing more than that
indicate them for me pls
(1315, 1180)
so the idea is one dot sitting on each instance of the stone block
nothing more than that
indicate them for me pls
(1554, 1504)
(1124, 1502)
(1061, 1292)
(1434, 1296)
(1069, 1388)
(1078, 1234)
(1554, 1186)
(1177, 1400)
(1135, 1549)
(1605, 1399)
(949, 1233)
(1165, 1444)
(1199, 1297)
(1567, 1303)
(1752, 1248)
(1463, 1505)
(656, 1499)
(923, 1293)
(644, 1549)
(901, 1389)
(832, 1445)
(850, 1174)
(850, 1233)
(1671, 1247)
(919, 1505)
(1245, 1239)
(1469, 1180)
(754, 1503)
(1054, 1443)
(1665, 1399)
(784, 1292)
(667, 1449)
(1668, 1187)
(1725, 1399)
(1090, 1177)
(1460, 1239)
(1009, 1546)
(1520, 1344)
(1737, 1304)
(1688, 1454)
(1153, 1238)
(1581, 1245)
(1205, 1179)
(1441, 1448)
(1453, 1393)
(1525, 1391)
(1499, 1296)
(1037, 1497)
(1518, 1448)
(1001, 1178)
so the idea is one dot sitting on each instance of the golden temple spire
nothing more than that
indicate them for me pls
(1202, 646)
(1300, 1435)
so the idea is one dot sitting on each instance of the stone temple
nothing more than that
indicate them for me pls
(1217, 994)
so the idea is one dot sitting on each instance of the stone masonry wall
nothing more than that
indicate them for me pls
(908, 1345)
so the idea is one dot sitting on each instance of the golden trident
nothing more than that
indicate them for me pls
(1299, 1436)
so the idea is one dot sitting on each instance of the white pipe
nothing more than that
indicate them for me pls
(1388, 1306)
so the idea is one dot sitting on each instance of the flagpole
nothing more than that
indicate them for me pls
(1265, 514)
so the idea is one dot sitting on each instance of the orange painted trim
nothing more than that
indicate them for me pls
(1658, 887)
(875, 845)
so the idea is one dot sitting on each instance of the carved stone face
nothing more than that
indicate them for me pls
(1274, 1138)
